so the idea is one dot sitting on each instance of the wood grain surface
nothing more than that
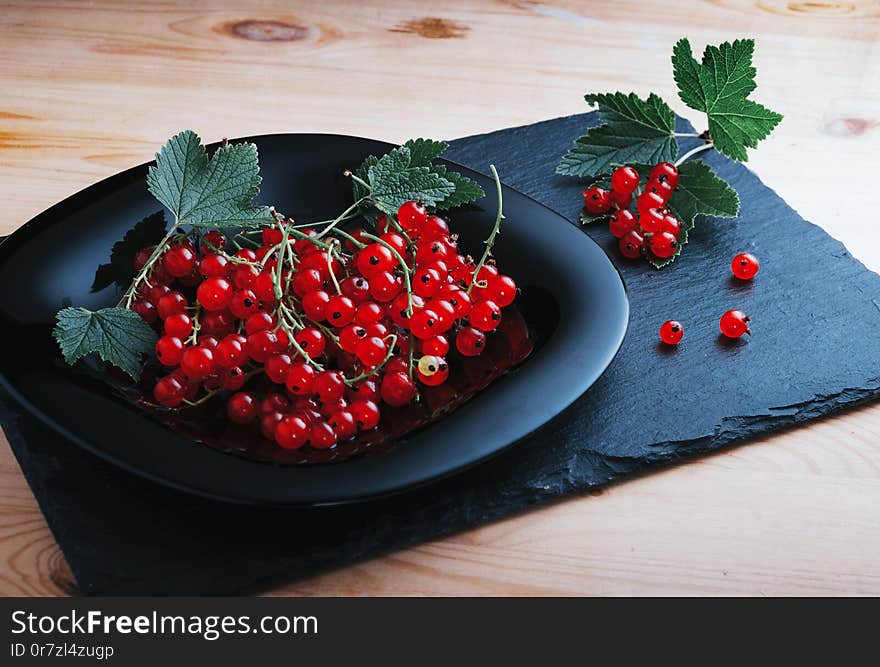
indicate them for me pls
(88, 89)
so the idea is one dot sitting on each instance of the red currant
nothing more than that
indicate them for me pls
(620, 200)
(258, 321)
(171, 304)
(145, 309)
(306, 280)
(274, 402)
(329, 386)
(217, 323)
(651, 220)
(622, 222)
(340, 311)
(322, 435)
(424, 323)
(213, 241)
(663, 245)
(395, 240)
(671, 332)
(437, 346)
(343, 424)
(179, 261)
(314, 305)
(197, 363)
(300, 378)
(671, 225)
(485, 316)
(596, 200)
(368, 313)
(631, 245)
(232, 379)
(745, 266)
(665, 172)
(214, 265)
(648, 200)
(366, 414)
(214, 293)
(384, 286)
(292, 432)
(350, 336)
(435, 227)
(470, 342)
(734, 323)
(432, 370)
(660, 188)
(241, 408)
(169, 391)
(397, 389)
(277, 366)
(375, 258)
(264, 286)
(412, 216)
(502, 290)
(312, 341)
(169, 350)
(243, 304)
(624, 180)
(231, 351)
(356, 288)
(261, 344)
(426, 282)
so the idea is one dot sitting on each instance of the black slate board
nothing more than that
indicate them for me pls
(813, 350)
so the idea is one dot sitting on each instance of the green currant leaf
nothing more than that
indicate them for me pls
(699, 192)
(203, 192)
(119, 270)
(633, 130)
(424, 151)
(466, 189)
(118, 335)
(720, 86)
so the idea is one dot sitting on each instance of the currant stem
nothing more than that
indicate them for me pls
(129, 295)
(491, 240)
(340, 218)
(363, 376)
(692, 152)
(686, 134)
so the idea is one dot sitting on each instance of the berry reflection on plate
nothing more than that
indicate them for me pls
(301, 343)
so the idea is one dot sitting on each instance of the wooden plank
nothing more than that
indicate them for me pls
(90, 90)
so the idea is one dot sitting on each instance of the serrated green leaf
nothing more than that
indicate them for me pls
(633, 130)
(720, 86)
(118, 335)
(394, 181)
(700, 192)
(202, 192)
(466, 189)
(119, 269)
(424, 151)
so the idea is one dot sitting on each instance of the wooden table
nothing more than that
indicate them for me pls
(88, 89)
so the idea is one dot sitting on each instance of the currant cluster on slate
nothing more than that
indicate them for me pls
(341, 328)
(733, 323)
(652, 229)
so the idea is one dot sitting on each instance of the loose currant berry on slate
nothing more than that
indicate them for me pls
(631, 245)
(242, 408)
(745, 266)
(596, 200)
(624, 180)
(665, 172)
(671, 332)
(734, 323)
(622, 222)
(663, 245)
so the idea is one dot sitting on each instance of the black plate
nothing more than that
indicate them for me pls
(50, 262)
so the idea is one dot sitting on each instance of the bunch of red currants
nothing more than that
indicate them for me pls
(653, 230)
(340, 322)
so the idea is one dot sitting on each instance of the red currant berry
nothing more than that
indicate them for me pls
(671, 332)
(145, 309)
(169, 391)
(366, 390)
(461, 302)
(231, 351)
(470, 342)
(651, 220)
(218, 323)
(343, 423)
(371, 351)
(734, 323)
(340, 311)
(179, 261)
(621, 201)
(375, 258)
(312, 341)
(208, 342)
(180, 325)
(445, 314)
(244, 275)
(437, 346)
(350, 336)
(631, 245)
(241, 408)
(264, 286)
(171, 304)
(424, 323)
(322, 435)
(426, 282)
(197, 363)
(261, 344)
(671, 225)
(502, 290)
(663, 245)
(432, 370)
(397, 389)
(395, 240)
(648, 200)
(215, 265)
(277, 366)
(412, 216)
(213, 241)
(435, 227)
(243, 304)
(329, 386)
(400, 306)
(660, 188)
(432, 252)
(169, 350)
(258, 321)
(214, 293)
(384, 286)
(272, 236)
(306, 280)
(485, 316)
(314, 305)
(368, 313)
(232, 379)
(274, 402)
(366, 414)
(624, 180)
(745, 266)
(292, 432)
(300, 378)
(596, 200)
(665, 172)
(622, 222)
(356, 288)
